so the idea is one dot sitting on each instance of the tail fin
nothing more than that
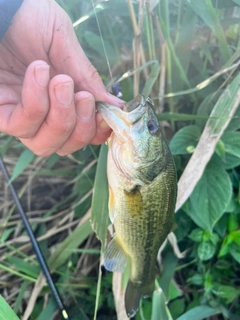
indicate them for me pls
(134, 293)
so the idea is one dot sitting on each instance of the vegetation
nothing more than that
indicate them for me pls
(185, 56)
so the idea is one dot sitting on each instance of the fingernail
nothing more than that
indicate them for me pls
(42, 75)
(103, 126)
(116, 101)
(85, 109)
(64, 93)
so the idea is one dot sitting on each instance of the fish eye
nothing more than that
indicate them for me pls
(153, 127)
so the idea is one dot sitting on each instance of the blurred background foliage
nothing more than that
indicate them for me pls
(184, 54)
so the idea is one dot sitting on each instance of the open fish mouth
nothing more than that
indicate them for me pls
(121, 120)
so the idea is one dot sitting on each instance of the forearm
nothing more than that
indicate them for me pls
(7, 10)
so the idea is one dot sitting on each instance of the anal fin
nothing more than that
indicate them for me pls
(114, 259)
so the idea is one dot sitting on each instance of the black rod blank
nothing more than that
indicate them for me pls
(34, 242)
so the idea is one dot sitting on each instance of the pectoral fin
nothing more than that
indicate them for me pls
(134, 202)
(114, 259)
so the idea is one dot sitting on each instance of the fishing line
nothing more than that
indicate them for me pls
(104, 48)
(34, 242)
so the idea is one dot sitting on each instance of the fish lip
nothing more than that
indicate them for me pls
(119, 120)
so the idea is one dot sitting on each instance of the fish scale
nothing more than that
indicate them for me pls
(143, 189)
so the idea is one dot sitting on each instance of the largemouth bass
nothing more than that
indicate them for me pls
(142, 194)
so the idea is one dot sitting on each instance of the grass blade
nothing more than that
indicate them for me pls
(99, 215)
(6, 312)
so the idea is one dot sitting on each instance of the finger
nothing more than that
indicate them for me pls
(60, 121)
(23, 118)
(85, 127)
(73, 61)
(103, 130)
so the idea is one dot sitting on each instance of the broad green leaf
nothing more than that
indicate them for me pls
(5, 311)
(199, 313)
(231, 161)
(231, 142)
(229, 293)
(185, 140)
(206, 250)
(210, 196)
(177, 307)
(225, 247)
(24, 160)
(67, 247)
(235, 252)
(235, 122)
(196, 235)
(99, 215)
(196, 279)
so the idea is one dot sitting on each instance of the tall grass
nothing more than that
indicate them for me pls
(184, 55)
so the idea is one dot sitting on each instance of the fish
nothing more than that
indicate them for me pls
(142, 186)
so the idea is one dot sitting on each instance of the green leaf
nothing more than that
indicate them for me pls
(225, 247)
(67, 247)
(229, 293)
(199, 313)
(214, 238)
(185, 139)
(231, 161)
(99, 216)
(5, 311)
(206, 250)
(236, 237)
(24, 160)
(169, 265)
(171, 116)
(196, 235)
(220, 149)
(231, 142)
(155, 67)
(210, 197)
(233, 219)
(235, 252)
(159, 307)
(196, 279)
(24, 266)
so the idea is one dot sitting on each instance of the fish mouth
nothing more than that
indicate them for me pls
(121, 120)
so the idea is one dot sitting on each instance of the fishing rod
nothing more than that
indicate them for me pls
(34, 242)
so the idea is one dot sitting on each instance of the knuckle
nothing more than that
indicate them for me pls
(95, 77)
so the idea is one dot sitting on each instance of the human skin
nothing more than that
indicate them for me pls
(48, 87)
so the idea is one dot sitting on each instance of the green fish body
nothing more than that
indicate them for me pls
(142, 194)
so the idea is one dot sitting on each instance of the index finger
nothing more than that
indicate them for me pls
(68, 57)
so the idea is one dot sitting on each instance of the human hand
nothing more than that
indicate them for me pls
(48, 87)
